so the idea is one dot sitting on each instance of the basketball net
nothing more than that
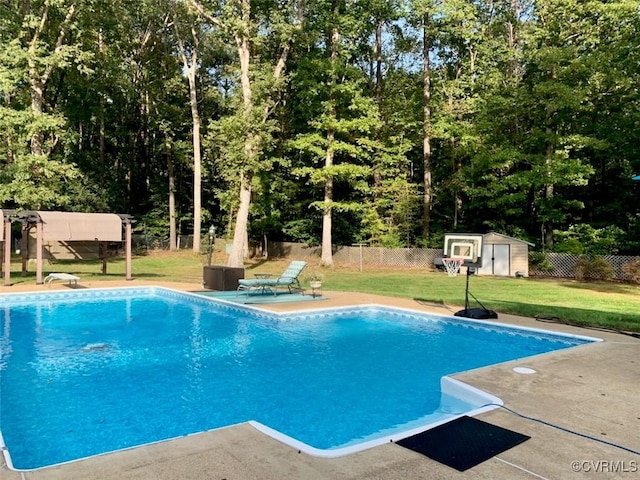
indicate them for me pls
(452, 265)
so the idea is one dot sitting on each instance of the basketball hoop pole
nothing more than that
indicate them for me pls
(466, 290)
(482, 312)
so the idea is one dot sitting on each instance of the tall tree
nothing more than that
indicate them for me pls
(557, 78)
(189, 48)
(235, 19)
(40, 40)
(424, 15)
(338, 144)
(426, 140)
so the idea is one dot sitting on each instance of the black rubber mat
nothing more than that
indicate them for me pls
(464, 442)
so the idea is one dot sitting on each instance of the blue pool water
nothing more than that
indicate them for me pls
(85, 373)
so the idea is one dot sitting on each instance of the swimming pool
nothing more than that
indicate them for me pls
(88, 372)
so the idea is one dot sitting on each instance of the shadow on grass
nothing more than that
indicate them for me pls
(623, 322)
(621, 288)
(435, 303)
(17, 278)
(81, 261)
(257, 264)
(615, 321)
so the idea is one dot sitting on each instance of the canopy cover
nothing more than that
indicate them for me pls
(75, 226)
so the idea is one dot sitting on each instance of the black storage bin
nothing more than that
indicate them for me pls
(219, 277)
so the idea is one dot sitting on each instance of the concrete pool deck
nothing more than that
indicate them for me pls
(592, 389)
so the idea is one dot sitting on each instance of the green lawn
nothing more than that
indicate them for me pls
(607, 305)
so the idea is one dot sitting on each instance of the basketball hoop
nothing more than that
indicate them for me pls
(452, 265)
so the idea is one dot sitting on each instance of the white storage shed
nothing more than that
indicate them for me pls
(504, 256)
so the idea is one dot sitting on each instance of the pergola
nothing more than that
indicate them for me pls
(65, 227)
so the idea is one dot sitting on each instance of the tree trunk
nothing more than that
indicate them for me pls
(326, 258)
(512, 39)
(102, 129)
(236, 258)
(548, 193)
(10, 155)
(242, 34)
(191, 68)
(457, 199)
(172, 197)
(377, 179)
(197, 159)
(426, 141)
(239, 247)
(38, 80)
(37, 102)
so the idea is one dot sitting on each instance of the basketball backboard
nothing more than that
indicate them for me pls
(467, 246)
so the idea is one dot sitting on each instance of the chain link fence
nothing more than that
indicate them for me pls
(550, 265)
(147, 242)
(358, 255)
(563, 265)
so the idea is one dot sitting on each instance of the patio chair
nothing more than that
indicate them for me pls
(268, 284)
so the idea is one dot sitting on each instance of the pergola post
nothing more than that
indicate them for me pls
(7, 252)
(39, 247)
(24, 247)
(29, 219)
(103, 253)
(127, 221)
(128, 250)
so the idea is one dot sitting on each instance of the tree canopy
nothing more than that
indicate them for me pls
(305, 120)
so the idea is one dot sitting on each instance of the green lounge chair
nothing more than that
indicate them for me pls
(267, 284)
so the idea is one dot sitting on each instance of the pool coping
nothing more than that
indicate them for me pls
(602, 376)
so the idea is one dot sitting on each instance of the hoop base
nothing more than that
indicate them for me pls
(477, 313)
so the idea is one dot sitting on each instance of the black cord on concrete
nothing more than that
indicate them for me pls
(564, 429)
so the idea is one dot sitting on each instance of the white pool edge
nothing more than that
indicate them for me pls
(275, 314)
(449, 386)
(484, 402)
(5, 453)
(441, 315)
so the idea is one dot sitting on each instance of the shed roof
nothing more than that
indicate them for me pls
(507, 237)
(76, 226)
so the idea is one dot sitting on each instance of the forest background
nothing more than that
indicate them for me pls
(388, 122)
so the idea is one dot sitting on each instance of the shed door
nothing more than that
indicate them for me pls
(487, 262)
(501, 263)
(495, 260)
